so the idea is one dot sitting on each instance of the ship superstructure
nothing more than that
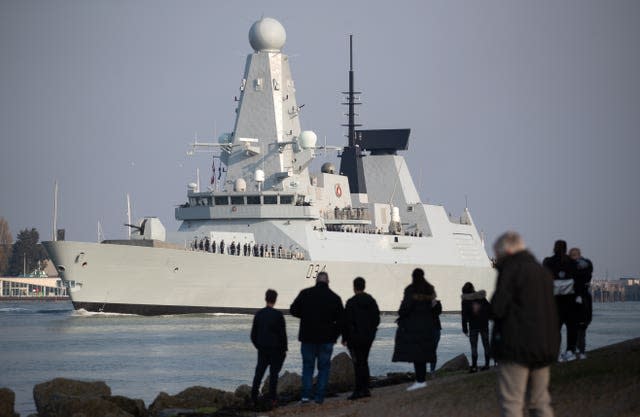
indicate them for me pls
(268, 222)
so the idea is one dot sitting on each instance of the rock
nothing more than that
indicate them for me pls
(194, 398)
(393, 378)
(76, 406)
(7, 402)
(49, 396)
(342, 375)
(134, 407)
(289, 386)
(243, 393)
(459, 363)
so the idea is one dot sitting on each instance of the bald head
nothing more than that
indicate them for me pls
(322, 277)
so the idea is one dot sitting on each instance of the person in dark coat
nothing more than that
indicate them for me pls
(437, 330)
(525, 339)
(475, 322)
(562, 270)
(321, 317)
(269, 336)
(362, 317)
(583, 302)
(414, 340)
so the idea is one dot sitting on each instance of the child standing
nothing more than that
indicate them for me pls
(475, 322)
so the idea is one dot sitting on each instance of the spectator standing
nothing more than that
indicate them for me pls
(321, 317)
(583, 302)
(525, 336)
(437, 330)
(414, 341)
(562, 269)
(475, 322)
(269, 336)
(362, 317)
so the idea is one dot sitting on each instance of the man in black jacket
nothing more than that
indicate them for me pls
(583, 306)
(525, 334)
(362, 317)
(321, 313)
(269, 336)
(563, 272)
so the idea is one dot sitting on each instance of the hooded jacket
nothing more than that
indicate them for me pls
(475, 311)
(415, 338)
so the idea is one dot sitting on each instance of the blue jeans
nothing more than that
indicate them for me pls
(312, 352)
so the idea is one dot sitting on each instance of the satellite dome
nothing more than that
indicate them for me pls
(328, 168)
(267, 34)
(307, 139)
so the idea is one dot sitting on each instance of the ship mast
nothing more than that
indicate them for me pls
(351, 158)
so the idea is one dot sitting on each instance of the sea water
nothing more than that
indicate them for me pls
(139, 357)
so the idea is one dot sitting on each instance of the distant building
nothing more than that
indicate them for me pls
(34, 285)
(623, 289)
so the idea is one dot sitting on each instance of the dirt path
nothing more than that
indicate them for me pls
(606, 384)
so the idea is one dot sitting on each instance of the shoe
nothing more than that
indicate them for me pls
(366, 393)
(473, 369)
(582, 356)
(304, 400)
(274, 404)
(417, 385)
(485, 368)
(568, 356)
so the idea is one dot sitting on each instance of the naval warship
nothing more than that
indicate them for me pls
(268, 221)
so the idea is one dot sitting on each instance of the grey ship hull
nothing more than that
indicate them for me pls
(154, 281)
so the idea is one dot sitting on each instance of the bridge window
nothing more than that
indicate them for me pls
(221, 200)
(286, 199)
(270, 199)
(253, 199)
(237, 200)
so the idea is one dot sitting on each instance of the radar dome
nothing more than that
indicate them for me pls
(328, 168)
(267, 34)
(240, 185)
(307, 139)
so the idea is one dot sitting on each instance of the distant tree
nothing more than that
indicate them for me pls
(5, 245)
(26, 250)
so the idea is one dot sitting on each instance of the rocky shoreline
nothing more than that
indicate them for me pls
(605, 384)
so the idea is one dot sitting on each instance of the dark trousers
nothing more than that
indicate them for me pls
(274, 360)
(436, 336)
(473, 338)
(566, 316)
(360, 358)
(421, 371)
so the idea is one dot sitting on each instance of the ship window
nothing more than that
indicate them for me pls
(253, 199)
(221, 200)
(286, 199)
(237, 199)
(192, 201)
(270, 199)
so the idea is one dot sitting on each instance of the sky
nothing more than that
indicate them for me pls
(527, 112)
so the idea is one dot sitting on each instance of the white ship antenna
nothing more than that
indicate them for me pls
(128, 215)
(54, 236)
(99, 232)
(197, 180)
(466, 202)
